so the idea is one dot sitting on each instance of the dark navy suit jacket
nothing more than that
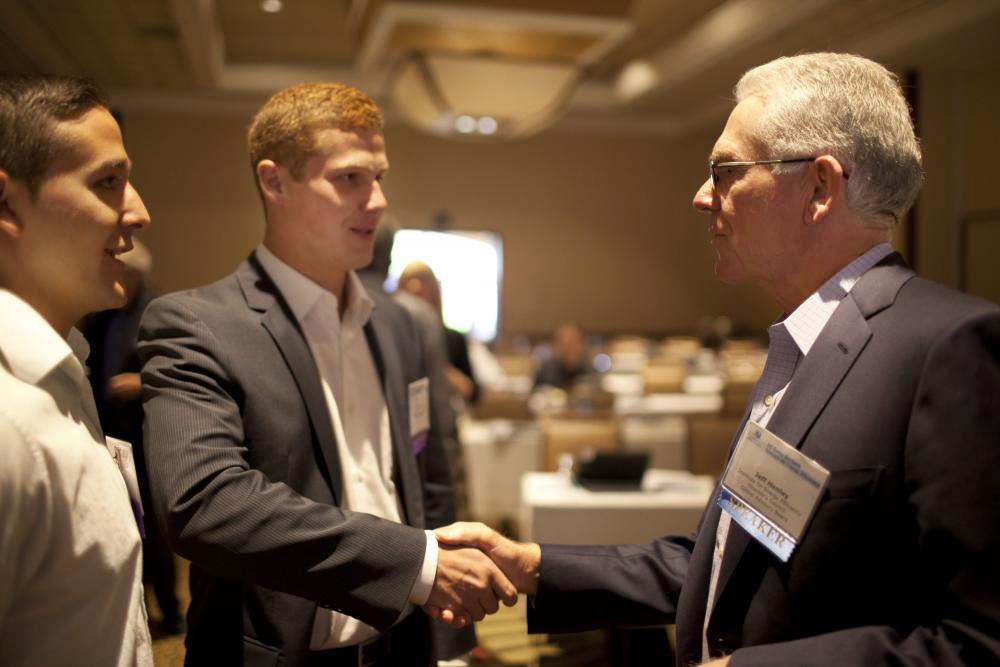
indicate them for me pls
(900, 399)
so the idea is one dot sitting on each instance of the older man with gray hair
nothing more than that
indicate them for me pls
(856, 520)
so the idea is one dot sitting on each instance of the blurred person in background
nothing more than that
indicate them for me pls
(418, 279)
(568, 362)
(432, 337)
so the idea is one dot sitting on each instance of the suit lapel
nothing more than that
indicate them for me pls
(262, 296)
(404, 463)
(821, 372)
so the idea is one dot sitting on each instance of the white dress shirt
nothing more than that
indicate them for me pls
(359, 418)
(70, 552)
(790, 340)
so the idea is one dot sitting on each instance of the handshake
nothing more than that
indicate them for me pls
(477, 568)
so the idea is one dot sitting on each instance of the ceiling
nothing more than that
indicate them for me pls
(680, 57)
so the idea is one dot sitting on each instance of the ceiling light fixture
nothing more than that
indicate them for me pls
(483, 96)
(272, 6)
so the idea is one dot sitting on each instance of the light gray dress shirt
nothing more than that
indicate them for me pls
(70, 552)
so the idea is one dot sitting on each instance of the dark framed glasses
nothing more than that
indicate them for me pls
(713, 166)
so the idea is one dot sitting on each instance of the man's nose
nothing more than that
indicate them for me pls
(136, 216)
(704, 198)
(377, 200)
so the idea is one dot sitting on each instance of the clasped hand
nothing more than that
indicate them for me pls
(477, 569)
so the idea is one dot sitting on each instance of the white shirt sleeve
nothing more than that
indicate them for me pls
(26, 507)
(422, 586)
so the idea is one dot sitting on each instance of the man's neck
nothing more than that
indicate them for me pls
(332, 280)
(831, 248)
(57, 319)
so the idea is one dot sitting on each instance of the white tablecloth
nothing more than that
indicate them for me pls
(659, 405)
(554, 510)
(497, 453)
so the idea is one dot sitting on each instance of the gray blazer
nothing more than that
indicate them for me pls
(246, 479)
(900, 399)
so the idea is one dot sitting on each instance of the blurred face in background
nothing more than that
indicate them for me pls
(569, 346)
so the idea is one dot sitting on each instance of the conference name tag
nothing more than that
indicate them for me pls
(420, 413)
(771, 489)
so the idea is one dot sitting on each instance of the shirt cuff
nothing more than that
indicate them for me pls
(422, 586)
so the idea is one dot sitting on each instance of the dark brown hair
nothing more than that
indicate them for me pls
(30, 108)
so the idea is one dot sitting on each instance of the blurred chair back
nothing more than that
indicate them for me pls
(502, 405)
(664, 378)
(515, 364)
(678, 348)
(708, 439)
(572, 435)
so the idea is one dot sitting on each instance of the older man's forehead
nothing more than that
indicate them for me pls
(737, 141)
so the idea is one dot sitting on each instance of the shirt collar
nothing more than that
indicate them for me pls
(302, 294)
(31, 346)
(807, 321)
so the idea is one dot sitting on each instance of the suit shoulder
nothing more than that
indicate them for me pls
(391, 312)
(927, 315)
(203, 300)
(936, 303)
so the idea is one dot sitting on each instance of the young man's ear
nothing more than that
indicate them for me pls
(269, 179)
(828, 187)
(10, 224)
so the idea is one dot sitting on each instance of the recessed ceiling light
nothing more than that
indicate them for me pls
(272, 6)
(465, 124)
(487, 125)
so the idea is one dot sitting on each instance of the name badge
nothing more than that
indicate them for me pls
(121, 453)
(420, 413)
(771, 489)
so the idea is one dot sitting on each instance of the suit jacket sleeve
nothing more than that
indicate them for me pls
(230, 518)
(587, 587)
(952, 457)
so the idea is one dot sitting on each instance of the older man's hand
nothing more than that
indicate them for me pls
(467, 586)
(518, 560)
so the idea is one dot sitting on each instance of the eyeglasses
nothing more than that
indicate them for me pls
(713, 165)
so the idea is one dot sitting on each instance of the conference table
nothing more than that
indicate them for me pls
(555, 510)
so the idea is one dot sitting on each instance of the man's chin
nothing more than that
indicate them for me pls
(728, 274)
(117, 297)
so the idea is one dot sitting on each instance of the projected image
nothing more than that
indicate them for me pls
(469, 266)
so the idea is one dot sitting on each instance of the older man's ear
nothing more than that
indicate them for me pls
(828, 191)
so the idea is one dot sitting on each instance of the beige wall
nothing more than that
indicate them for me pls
(961, 141)
(597, 228)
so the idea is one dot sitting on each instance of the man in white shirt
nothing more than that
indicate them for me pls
(70, 520)
(288, 423)
(881, 389)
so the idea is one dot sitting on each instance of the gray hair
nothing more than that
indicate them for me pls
(851, 108)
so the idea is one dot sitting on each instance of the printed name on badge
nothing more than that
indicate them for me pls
(771, 489)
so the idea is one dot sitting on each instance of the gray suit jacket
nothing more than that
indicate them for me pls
(900, 399)
(246, 479)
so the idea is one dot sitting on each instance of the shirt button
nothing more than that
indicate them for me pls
(360, 477)
(769, 400)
